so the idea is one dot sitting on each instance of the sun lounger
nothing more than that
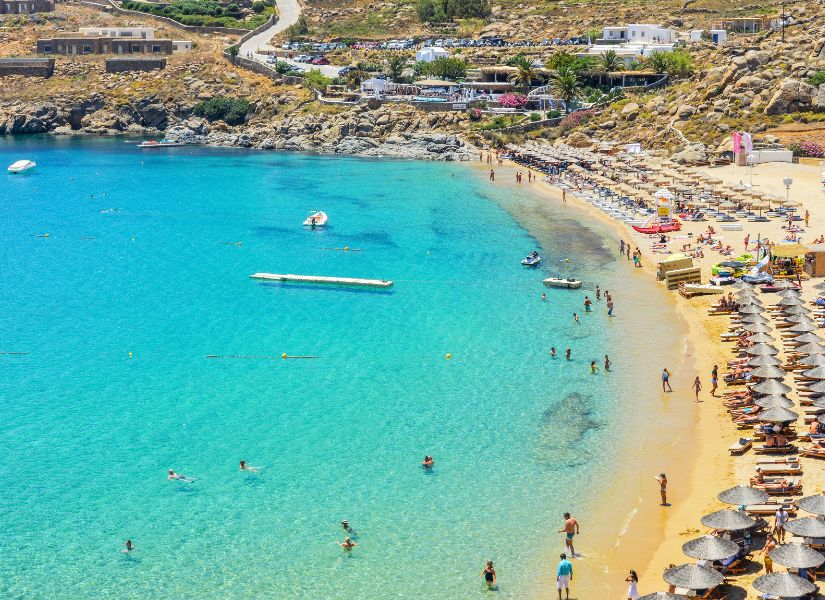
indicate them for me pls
(742, 446)
(772, 460)
(770, 508)
(781, 469)
(788, 449)
(810, 453)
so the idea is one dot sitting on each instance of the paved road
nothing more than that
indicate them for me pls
(288, 12)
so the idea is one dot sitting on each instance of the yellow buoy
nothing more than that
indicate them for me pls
(448, 356)
(346, 248)
(131, 355)
(284, 355)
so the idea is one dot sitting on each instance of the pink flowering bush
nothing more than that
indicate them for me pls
(576, 118)
(474, 114)
(512, 100)
(811, 149)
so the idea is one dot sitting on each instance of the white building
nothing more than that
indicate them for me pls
(717, 36)
(430, 53)
(144, 33)
(639, 33)
(181, 46)
(629, 53)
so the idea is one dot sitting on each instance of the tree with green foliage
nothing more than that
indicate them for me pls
(440, 11)
(610, 62)
(354, 78)
(447, 67)
(396, 65)
(298, 29)
(232, 111)
(233, 52)
(525, 73)
(565, 61)
(658, 62)
(680, 65)
(283, 67)
(566, 86)
(593, 34)
(316, 81)
(258, 6)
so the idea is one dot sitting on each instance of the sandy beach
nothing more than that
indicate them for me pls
(694, 450)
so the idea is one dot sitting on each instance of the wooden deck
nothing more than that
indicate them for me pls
(348, 281)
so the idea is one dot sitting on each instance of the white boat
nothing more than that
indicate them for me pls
(316, 218)
(22, 165)
(558, 282)
(160, 144)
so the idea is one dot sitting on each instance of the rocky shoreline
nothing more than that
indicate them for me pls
(358, 131)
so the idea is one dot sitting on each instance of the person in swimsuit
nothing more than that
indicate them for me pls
(576, 318)
(593, 368)
(697, 387)
(428, 462)
(347, 544)
(714, 380)
(489, 575)
(570, 529)
(347, 528)
(543, 296)
(662, 479)
(567, 354)
(666, 381)
(607, 363)
(770, 545)
(587, 303)
(553, 352)
(129, 547)
(633, 580)
(245, 467)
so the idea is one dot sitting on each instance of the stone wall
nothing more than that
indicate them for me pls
(119, 65)
(28, 67)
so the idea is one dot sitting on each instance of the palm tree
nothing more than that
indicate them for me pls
(610, 63)
(525, 73)
(396, 65)
(566, 86)
(659, 62)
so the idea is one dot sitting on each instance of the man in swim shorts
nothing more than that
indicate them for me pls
(571, 528)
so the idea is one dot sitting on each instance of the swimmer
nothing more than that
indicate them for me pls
(128, 548)
(576, 318)
(567, 354)
(428, 462)
(179, 477)
(345, 525)
(245, 467)
(347, 544)
(593, 367)
(553, 352)
(607, 363)
(543, 296)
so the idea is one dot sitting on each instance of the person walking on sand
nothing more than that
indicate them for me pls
(781, 517)
(570, 529)
(697, 387)
(607, 363)
(807, 216)
(666, 381)
(662, 479)
(564, 195)
(714, 380)
(587, 303)
(770, 546)
(564, 575)
(633, 580)
(489, 575)
(621, 247)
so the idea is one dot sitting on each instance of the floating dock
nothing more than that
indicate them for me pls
(348, 281)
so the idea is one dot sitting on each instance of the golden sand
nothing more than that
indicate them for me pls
(628, 529)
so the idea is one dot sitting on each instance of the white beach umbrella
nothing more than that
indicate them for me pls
(742, 494)
(803, 328)
(759, 338)
(813, 504)
(711, 547)
(807, 338)
(727, 520)
(815, 387)
(764, 360)
(815, 373)
(796, 556)
(769, 372)
(814, 360)
(813, 527)
(772, 401)
(771, 386)
(810, 348)
(777, 415)
(693, 577)
(759, 349)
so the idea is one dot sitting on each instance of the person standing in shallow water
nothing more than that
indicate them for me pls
(697, 387)
(662, 479)
(492, 175)
(570, 529)
(567, 354)
(607, 363)
(489, 575)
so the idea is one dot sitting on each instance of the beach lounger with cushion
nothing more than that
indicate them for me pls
(781, 469)
(742, 446)
(770, 508)
(809, 453)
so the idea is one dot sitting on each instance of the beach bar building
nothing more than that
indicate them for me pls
(815, 260)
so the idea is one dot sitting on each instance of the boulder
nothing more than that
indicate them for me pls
(630, 111)
(154, 115)
(792, 96)
(579, 140)
(818, 101)
(685, 111)
(691, 154)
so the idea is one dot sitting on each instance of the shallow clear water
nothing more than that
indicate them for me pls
(87, 433)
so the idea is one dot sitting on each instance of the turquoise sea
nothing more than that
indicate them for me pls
(87, 432)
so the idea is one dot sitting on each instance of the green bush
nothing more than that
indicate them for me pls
(818, 78)
(439, 11)
(258, 6)
(203, 13)
(232, 111)
(535, 117)
(553, 113)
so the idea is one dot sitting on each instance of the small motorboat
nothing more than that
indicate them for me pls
(316, 218)
(532, 260)
(22, 165)
(558, 282)
(160, 144)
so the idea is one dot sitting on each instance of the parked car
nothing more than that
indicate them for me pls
(320, 60)
(345, 70)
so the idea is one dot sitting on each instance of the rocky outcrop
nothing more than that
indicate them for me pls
(792, 96)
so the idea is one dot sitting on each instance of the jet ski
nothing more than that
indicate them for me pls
(532, 260)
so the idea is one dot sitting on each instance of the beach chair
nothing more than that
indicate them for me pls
(768, 509)
(788, 468)
(742, 446)
(787, 449)
(812, 453)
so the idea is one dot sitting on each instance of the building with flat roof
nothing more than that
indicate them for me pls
(638, 33)
(144, 33)
(73, 46)
(25, 7)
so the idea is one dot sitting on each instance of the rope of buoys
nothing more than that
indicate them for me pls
(14, 353)
(344, 249)
(252, 356)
